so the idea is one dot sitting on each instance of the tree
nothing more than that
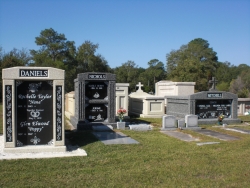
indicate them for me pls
(87, 61)
(54, 49)
(223, 86)
(155, 72)
(11, 59)
(15, 58)
(194, 62)
(128, 73)
(236, 85)
(241, 85)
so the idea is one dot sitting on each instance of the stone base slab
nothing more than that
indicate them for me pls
(215, 121)
(168, 129)
(192, 128)
(35, 149)
(140, 127)
(151, 116)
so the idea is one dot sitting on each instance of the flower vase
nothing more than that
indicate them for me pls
(120, 120)
(219, 122)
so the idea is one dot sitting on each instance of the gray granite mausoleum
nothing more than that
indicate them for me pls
(207, 105)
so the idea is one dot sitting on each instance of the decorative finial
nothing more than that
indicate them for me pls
(139, 85)
(214, 82)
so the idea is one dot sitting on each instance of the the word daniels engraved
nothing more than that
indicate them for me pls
(33, 73)
(214, 95)
(97, 76)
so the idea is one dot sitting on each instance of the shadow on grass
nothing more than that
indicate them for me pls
(80, 138)
(137, 120)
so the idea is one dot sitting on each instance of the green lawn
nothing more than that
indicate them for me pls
(245, 118)
(158, 161)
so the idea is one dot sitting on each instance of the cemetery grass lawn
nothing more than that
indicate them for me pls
(158, 161)
(245, 118)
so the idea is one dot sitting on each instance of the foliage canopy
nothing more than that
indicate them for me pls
(193, 62)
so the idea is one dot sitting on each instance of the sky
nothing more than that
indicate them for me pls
(131, 30)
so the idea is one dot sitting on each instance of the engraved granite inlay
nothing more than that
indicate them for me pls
(58, 113)
(8, 112)
(34, 112)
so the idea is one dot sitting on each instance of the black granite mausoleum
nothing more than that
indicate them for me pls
(94, 100)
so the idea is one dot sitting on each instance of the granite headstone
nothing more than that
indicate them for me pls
(191, 121)
(168, 122)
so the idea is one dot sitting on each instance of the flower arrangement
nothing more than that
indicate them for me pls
(247, 113)
(220, 118)
(121, 113)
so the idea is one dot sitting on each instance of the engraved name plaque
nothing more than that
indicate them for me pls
(96, 90)
(33, 73)
(34, 112)
(207, 109)
(96, 112)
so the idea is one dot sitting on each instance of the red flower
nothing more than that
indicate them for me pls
(121, 111)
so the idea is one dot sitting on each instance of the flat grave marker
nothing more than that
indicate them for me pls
(217, 135)
(140, 127)
(180, 136)
(243, 131)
